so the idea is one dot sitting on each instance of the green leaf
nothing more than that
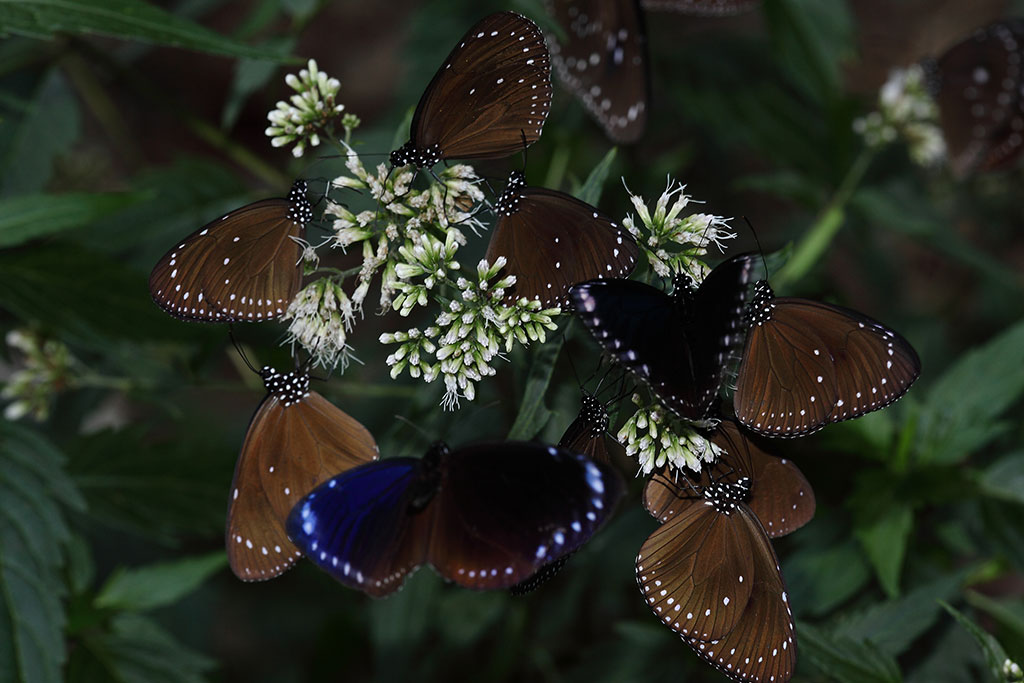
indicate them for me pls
(251, 75)
(809, 38)
(136, 650)
(33, 540)
(400, 624)
(46, 130)
(895, 624)
(960, 415)
(158, 584)
(994, 653)
(463, 617)
(845, 659)
(28, 217)
(1010, 615)
(590, 191)
(533, 414)
(124, 19)
(822, 577)
(1004, 479)
(884, 538)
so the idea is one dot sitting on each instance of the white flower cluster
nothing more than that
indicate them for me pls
(673, 244)
(46, 368)
(907, 110)
(466, 337)
(1012, 671)
(309, 112)
(404, 234)
(321, 316)
(657, 439)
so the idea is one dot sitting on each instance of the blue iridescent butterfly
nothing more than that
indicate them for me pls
(485, 516)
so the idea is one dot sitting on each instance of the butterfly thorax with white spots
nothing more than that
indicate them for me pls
(508, 202)
(287, 387)
(761, 305)
(300, 211)
(420, 158)
(594, 415)
(725, 497)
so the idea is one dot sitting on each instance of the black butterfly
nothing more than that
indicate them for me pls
(977, 84)
(604, 61)
(485, 517)
(807, 364)
(677, 344)
(553, 241)
(488, 100)
(296, 440)
(242, 267)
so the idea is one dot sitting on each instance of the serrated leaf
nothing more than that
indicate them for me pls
(136, 650)
(845, 659)
(46, 129)
(124, 19)
(961, 412)
(33, 539)
(1004, 479)
(590, 191)
(884, 539)
(994, 653)
(157, 585)
(533, 414)
(895, 624)
(28, 217)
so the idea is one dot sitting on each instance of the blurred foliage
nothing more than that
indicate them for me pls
(125, 125)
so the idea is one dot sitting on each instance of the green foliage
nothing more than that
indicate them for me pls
(157, 585)
(38, 215)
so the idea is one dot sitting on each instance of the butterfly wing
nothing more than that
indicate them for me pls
(762, 645)
(706, 8)
(288, 450)
(553, 241)
(506, 510)
(359, 526)
(242, 267)
(491, 96)
(978, 92)
(604, 62)
(696, 570)
(812, 364)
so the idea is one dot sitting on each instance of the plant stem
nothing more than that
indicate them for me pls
(815, 241)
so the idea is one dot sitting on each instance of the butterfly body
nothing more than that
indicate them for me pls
(296, 440)
(488, 100)
(242, 267)
(807, 364)
(552, 241)
(485, 517)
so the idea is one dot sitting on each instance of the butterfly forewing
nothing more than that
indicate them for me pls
(695, 570)
(708, 8)
(807, 364)
(510, 509)
(978, 83)
(604, 61)
(762, 645)
(243, 266)
(361, 528)
(292, 445)
(553, 241)
(491, 95)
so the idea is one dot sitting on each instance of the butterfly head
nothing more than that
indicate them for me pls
(411, 154)
(725, 497)
(508, 202)
(300, 211)
(287, 387)
(762, 305)
(595, 415)
(428, 482)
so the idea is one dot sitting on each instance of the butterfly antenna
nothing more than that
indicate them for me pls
(238, 347)
(416, 428)
(760, 249)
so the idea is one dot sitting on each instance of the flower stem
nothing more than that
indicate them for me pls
(815, 241)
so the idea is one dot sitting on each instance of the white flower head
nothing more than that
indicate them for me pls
(657, 439)
(313, 110)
